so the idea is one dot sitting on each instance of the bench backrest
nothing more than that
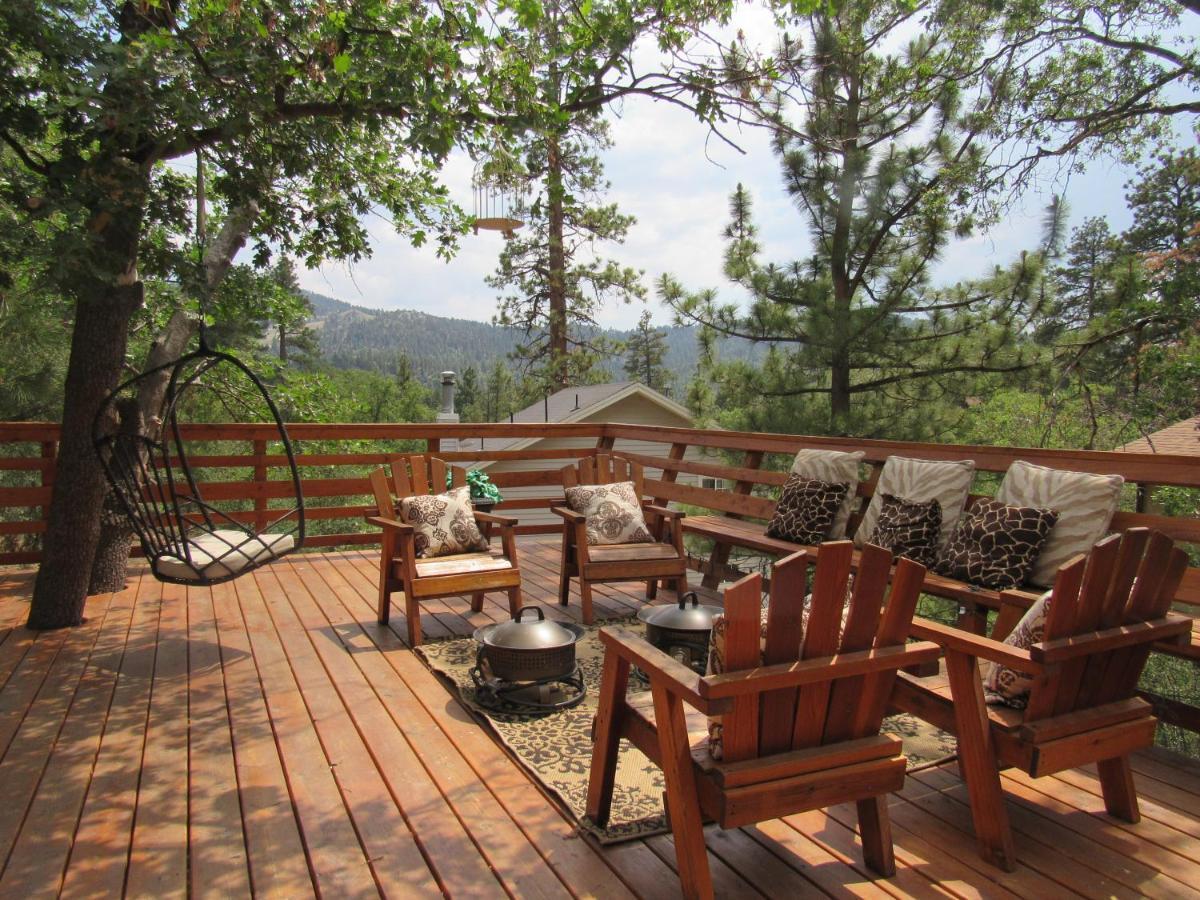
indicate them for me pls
(830, 711)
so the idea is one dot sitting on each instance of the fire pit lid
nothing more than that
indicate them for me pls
(526, 635)
(681, 617)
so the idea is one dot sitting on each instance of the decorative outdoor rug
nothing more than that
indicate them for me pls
(556, 748)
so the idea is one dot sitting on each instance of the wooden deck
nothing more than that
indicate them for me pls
(267, 737)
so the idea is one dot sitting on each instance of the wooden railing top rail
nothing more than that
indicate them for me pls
(1148, 468)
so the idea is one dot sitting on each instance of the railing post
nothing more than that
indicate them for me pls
(675, 455)
(260, 481)
(433, 445)
(49, 454)
(720, 552)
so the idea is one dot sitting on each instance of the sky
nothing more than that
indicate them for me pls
(669, 173)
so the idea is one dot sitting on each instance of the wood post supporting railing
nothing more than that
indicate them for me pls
(720, 552)
(260, 478)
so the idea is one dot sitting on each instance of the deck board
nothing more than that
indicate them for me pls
(266, 736)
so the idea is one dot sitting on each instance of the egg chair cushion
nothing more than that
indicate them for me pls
(222, 554)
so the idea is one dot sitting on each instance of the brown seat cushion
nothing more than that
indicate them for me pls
(807, 509)
(460, 563)
(909, 528)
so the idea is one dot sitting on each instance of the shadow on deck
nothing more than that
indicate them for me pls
(268, 736)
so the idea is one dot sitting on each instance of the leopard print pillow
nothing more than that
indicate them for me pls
(806, 510)
(444, 523)
(613, 512)
(1003, 686)
(908, 528)
(995, 545)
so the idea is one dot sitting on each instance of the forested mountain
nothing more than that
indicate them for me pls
(355, 337)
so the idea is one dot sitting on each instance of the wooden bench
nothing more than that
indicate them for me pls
(974, 601)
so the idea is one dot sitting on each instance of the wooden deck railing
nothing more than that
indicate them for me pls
(239, 462)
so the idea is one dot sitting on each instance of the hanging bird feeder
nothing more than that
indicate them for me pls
(497, 195)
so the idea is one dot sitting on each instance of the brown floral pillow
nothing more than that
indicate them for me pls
(613, 512)
(444, 523)
(908, 528)
(806, 510)
(995, 545)
(1003, 686)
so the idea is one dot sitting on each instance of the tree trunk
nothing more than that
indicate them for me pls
(69, 544)
(283, 348)
(839, 265)
(559, 371)
(116, 536)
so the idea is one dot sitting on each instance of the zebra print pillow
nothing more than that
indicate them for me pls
(1085, 505)
(836, 467)
(919, 481)
(806, 510)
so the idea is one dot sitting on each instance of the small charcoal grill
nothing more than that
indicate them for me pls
(527, 665)
(681, 631)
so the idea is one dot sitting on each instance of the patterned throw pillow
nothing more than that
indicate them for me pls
(1085, 505)
(994, 545)
(806, 510)
(922, 480)
(613, 511)
(909, 528)
(444, 523)
(836, 467)
(1003, 686)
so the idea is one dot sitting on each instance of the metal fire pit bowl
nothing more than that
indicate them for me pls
(681, 631)
(528, 664)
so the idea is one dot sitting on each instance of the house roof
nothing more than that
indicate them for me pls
(574, 404)
(1182, 437)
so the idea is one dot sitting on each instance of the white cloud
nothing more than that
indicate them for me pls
(675, 177)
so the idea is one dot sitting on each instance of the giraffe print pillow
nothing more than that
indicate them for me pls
(909, 528)
(995, 545)
(806, 510)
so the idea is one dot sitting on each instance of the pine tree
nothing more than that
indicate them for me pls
(884, 168)
(1083, 282)
(556, 281)
(645, 351)
(296, 340)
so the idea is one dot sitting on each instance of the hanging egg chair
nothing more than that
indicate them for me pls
(497, 198)
(187, 538)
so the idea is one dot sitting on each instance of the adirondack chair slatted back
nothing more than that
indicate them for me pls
(418, 474)
(604, 468)
(1127, 578)
(825, 712)
(383, 493)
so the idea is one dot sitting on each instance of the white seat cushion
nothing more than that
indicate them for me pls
(222, 553)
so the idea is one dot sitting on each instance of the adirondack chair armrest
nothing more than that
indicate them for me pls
(823, 668)
(662, 669)
(1170, 628)
(493, 519)
(663, 511)
(391, 524)
(569, 515)
(970, 644)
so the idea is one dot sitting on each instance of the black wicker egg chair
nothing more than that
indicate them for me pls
(187, 539)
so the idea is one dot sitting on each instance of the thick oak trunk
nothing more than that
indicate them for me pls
(116, 536)
(73, 530)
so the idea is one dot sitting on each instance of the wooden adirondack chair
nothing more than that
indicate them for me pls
(441, 576)
(800, 718)
(664, 558)
(1082, 706)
